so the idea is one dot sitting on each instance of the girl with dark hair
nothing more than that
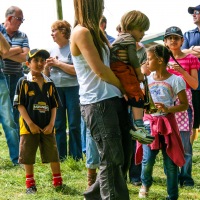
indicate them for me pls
(164, 88)
(186, 68)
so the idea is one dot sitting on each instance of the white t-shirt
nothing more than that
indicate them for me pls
(165, 91)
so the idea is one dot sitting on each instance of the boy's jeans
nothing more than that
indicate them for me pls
(90, 147)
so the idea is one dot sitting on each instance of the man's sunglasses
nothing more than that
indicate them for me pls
(196, 12)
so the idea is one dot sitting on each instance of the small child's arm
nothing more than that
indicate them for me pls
(134, 61)
(49, 128)
(32, 126)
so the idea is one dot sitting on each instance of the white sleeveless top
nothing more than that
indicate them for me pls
(92, 88)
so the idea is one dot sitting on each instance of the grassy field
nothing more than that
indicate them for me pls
(12, 180)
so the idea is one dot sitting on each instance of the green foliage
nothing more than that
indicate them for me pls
(12, 179)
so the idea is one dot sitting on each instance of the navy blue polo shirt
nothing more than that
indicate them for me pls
(191, 38)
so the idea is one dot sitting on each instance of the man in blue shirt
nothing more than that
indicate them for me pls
(191, 45)
(13, 70)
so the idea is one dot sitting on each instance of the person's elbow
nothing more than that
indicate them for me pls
(196, 85)
(101, 75)
(6, 50)
(185, 106)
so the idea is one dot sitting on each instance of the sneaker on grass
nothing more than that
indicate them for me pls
(31, 190)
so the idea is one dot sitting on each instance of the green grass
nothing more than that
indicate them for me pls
(12, 180)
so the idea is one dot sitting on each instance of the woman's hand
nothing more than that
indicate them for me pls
(52, 62)
(125, 97)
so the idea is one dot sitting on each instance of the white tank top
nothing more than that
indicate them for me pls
(92, 88)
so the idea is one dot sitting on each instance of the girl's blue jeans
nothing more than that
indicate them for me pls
(171, 170)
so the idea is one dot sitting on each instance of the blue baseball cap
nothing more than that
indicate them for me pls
(191, 9)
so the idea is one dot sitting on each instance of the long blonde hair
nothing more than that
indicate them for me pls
(88, 14)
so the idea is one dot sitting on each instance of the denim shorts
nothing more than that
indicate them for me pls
(29, 144)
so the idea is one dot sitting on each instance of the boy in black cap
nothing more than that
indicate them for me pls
(36, 99)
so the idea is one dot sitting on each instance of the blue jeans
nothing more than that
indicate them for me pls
(171, 170)
(70, 100)
(12, 80)
(7, 120)
(83, 135)
(185, 175)
(107, 121)
(92, 154)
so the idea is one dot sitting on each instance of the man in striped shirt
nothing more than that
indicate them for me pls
(17, 55)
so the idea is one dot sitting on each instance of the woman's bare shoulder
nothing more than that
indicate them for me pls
(79, 38)
(80, 30)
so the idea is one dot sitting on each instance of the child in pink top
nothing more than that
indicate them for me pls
(186, 67)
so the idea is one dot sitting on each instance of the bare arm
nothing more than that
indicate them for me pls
(82, 43)
(13, 51)
(192, 79)
(177, 108)
(134, 61)
(17, 54)
(33, 127)
(194, 50)
(4, 45)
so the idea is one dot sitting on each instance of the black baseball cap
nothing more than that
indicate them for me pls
(173, 30)
(42, 52)
(191, 9)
